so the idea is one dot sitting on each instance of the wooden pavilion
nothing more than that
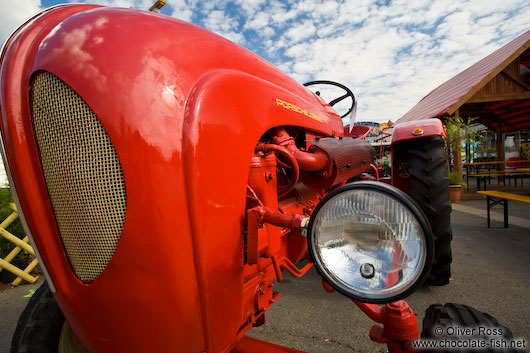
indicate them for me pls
(496, 90)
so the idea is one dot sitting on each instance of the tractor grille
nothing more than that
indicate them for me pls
(83, 175)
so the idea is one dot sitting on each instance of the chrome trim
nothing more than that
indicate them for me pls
(27, 22)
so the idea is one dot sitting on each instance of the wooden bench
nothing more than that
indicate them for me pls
(508, 174)
(498, 197)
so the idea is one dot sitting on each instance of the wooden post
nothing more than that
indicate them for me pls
(458, 156)
(500, 150)
(457, 153)
(449, 159)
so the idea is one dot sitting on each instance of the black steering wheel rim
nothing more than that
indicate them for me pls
(349, 93)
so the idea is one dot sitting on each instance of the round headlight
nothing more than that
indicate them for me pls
(371, 242)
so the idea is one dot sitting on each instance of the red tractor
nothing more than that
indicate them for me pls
(190, 173)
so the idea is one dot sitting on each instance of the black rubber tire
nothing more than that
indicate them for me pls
(429, 188)
(39, 327)
(454, 316)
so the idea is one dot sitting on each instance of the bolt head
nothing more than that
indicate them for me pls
(367, 270)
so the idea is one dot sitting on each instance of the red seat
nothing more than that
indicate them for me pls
(358, 131)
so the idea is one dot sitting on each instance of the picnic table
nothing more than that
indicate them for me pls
(483, 163)
(477, 166)
(497, 197)
(509, 174)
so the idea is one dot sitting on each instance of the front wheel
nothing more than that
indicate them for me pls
(42, 328)
(459, 327)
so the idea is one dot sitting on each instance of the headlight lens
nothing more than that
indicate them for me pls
(370, 242)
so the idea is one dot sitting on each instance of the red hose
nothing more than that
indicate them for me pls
(309, 161)
(269, 147)
(376, 171)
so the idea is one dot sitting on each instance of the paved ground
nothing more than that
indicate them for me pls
(12, 302)
(490, 272)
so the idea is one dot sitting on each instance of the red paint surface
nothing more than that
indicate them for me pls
(184, 110)
(430, 127)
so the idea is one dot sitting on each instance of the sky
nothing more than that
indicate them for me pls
(389, 53)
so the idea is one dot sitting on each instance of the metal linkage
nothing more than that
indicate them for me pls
(399, 322)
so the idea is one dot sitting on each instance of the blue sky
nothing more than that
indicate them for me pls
(390, 53)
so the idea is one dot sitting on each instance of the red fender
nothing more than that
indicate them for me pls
(428, 127)
(219, 259)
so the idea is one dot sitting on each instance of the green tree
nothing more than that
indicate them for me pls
(459, 130)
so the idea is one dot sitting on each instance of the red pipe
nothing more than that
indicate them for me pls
(309, 161)
(399, 323)
(292, 269)
(266, 215)
(277, 268)
(269, 147)
(376, 171)
(373, 311)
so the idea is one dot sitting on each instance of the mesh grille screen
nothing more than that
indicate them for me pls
(82, 173)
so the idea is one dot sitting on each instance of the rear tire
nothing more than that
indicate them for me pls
(40, 325)
(429, 188)
(455, 316)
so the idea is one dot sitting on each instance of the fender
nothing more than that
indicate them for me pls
(216, 153)
(430, 127)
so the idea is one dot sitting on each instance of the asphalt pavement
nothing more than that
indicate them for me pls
(491, 272)
(12, 302)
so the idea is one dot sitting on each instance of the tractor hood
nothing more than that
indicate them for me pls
(128, 137)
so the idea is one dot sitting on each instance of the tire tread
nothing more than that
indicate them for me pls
(39, 326)
(428, 187)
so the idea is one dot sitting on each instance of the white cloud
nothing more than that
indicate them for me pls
(218, 22)
(398, 53)
(301, 31)
(390, 54)
(181, 10)
(259, 21)
(14, 13)
(250, 6)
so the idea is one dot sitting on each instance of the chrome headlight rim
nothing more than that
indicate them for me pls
(406, 201)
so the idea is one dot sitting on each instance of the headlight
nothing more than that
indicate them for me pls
(370, 242)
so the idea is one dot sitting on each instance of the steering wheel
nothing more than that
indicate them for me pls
(349, 93)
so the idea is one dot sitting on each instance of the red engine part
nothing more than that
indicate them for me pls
(294, 166)
(400, 326)
(350, 158)
(316, 161)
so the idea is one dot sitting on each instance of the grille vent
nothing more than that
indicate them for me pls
(83, 175)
